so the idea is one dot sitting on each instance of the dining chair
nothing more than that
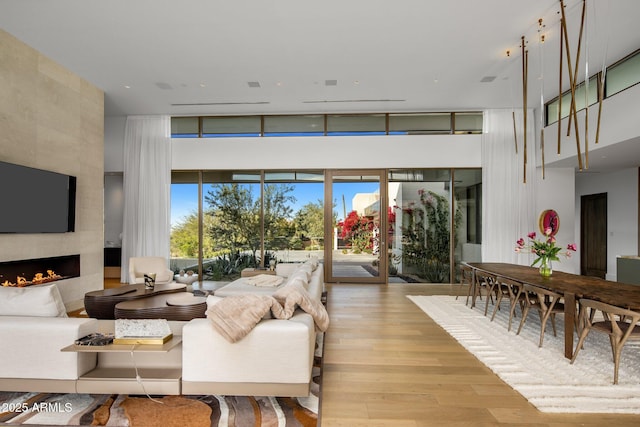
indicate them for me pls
(486, 282)
(514, 291)
(617, 322)
(546, 302)
(466, 278)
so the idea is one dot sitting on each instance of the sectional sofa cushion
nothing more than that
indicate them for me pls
(285, 269)
(37, 300)
(31, 347)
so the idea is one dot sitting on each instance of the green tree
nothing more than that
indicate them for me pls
(235, 215)
(278, 224)
(184, 238)
(309, 221)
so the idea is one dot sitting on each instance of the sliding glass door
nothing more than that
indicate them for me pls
(370, 226)
(355, 248)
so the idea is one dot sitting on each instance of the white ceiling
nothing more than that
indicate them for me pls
(186, 57)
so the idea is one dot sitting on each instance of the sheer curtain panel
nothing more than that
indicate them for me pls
(508, 203)
(147, 189)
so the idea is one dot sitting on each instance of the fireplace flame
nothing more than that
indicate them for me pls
(37, 279)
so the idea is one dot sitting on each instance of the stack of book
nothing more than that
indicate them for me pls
(142, 331)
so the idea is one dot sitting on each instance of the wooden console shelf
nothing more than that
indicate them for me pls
(158, 368)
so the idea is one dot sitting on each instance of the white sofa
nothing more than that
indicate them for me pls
(33, 328)
(274, 359)
(31, 359)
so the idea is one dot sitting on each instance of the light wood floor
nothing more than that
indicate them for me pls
(386, 363)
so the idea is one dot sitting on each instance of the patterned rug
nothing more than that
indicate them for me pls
(542, 375)
(119, 410)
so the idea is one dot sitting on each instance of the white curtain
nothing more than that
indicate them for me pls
(147, 189)
(508, 203)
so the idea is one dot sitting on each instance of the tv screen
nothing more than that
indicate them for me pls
(35, 200)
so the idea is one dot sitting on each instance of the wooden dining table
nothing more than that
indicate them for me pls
(571, 286)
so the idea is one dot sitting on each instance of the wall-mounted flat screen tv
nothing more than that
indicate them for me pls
(36, 201)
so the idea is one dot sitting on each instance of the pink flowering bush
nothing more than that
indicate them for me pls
(545, 250)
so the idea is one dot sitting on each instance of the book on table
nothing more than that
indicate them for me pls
(142, 331)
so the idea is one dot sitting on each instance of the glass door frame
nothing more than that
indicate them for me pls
(382, 277)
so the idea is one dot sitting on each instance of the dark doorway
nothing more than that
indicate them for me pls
(593, 235)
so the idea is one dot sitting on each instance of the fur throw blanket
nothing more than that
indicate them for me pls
(235, 316)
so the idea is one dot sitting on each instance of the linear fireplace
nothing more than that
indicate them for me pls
(37, 271)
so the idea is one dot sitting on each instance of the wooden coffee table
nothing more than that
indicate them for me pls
(101, 304)
(177, 306)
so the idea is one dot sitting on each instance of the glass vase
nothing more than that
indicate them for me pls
(545, 268)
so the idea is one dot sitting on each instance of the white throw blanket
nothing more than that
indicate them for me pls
(265, 280)
(235, 316)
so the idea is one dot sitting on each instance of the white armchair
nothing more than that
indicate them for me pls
(140, 266)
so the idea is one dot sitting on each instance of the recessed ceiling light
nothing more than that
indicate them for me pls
(253, 84)
(278, 83)
(356, 82)
(203, 85)
(127, 87)
(164, 85)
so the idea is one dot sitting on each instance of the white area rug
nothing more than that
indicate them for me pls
(542, 375)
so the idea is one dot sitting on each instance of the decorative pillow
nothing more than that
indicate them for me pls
(37, 300)
(313, 262)
(307, 268)
(284, 269)
(302, 272)
(297, 281)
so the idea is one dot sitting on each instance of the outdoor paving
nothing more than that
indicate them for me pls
(344, 265)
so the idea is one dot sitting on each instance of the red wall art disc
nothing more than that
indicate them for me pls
(549, 219)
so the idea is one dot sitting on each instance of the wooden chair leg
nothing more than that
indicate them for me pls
(470, 291)
(616, 363)
(497, 306)
(512, 312)
(525, 312)
(543, 324)
(583, 336)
